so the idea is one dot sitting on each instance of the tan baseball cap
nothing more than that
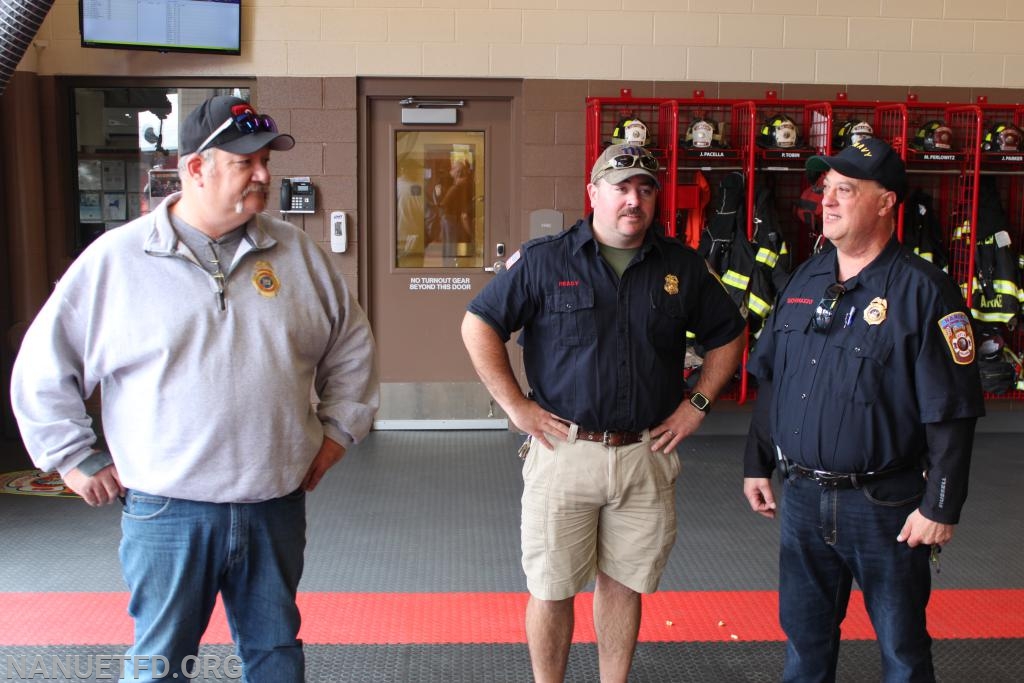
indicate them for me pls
(620, 162)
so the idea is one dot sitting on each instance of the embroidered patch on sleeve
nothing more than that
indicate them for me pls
(956, 328)
(715, 275)
(511, 261)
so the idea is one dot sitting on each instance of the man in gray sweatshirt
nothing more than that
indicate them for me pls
(235, 369)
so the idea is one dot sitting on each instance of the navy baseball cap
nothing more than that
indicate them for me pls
(869, 159)
(231, 124)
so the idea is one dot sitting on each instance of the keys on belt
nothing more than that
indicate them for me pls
(612, 439)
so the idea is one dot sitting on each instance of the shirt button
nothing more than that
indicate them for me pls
(814, 361)
(857, 349)
(803, 395)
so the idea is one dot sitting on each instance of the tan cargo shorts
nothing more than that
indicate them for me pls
(589, 507)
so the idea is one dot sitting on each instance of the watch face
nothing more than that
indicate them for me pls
(700, 401)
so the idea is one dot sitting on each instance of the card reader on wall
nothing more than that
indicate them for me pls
(297, 195)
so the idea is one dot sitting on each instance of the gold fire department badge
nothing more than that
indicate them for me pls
(264, 280)
(874, 314)
(671, 284)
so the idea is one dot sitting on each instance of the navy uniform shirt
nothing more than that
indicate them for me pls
(898, 355)
(604, 352)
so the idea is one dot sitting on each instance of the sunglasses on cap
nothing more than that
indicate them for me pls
(624, 161)
(822, 317)
(245, 120)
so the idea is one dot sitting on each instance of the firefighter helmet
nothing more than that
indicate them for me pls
(850, 132)
(933, 136)
(990, 343)
(1002, 137)
(630, 131)
(703, 132)
(778, 130)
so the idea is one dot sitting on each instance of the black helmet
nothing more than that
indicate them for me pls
(850, 132)
(1002, 137)
(990, 343)
(630, 131)
(934, 136)
(779, 130)
(703, 132)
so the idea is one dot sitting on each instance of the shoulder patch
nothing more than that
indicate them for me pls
(956, 328)
(511, 260)
(715, 275)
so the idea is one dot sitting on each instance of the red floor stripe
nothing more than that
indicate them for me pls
(438, 618)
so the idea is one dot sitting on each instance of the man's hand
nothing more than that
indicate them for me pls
(529, 417)
(919, 529)
(676, 427)
(330, 454)
(758, 491)
(102, 488)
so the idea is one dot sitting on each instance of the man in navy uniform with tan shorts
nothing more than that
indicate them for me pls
(604, 308)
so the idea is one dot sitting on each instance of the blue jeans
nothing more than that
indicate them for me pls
(828, 538)
(177, 555)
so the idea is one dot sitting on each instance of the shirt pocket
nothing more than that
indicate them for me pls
(666, 326)
(789, 328)
(868, 358)
(572, 309)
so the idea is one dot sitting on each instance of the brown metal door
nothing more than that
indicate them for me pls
(439, 218)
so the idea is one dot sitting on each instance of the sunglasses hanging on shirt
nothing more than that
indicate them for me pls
(821, 319)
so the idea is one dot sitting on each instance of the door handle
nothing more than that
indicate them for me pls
(498, 266)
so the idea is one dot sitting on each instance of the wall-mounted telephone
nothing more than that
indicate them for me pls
(339, 232)
(297, 195)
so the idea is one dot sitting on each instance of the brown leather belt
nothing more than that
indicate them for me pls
(613, 439)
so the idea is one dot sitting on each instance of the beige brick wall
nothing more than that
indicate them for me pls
(950, 43)
(320, 113)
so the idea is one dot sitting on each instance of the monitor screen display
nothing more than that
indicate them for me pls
(209, 26)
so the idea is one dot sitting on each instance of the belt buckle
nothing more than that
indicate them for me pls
(825, 478)
(606, 439)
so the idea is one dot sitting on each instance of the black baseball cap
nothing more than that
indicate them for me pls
(869, 159)
(231, 124)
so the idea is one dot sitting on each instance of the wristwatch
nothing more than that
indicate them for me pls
(700, 402)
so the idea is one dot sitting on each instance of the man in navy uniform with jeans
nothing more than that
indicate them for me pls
(867, 401)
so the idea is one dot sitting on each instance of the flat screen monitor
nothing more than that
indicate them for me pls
(208, 26)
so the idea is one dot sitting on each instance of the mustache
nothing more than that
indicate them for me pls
(255, 188)
(631, 213)
(251, 188)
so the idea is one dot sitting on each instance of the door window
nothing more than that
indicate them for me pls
(439, 199)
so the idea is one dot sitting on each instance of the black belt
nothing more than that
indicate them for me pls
(841, 480)
(613, 439)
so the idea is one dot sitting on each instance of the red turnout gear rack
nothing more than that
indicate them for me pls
(1004, 167)
(941, 143)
